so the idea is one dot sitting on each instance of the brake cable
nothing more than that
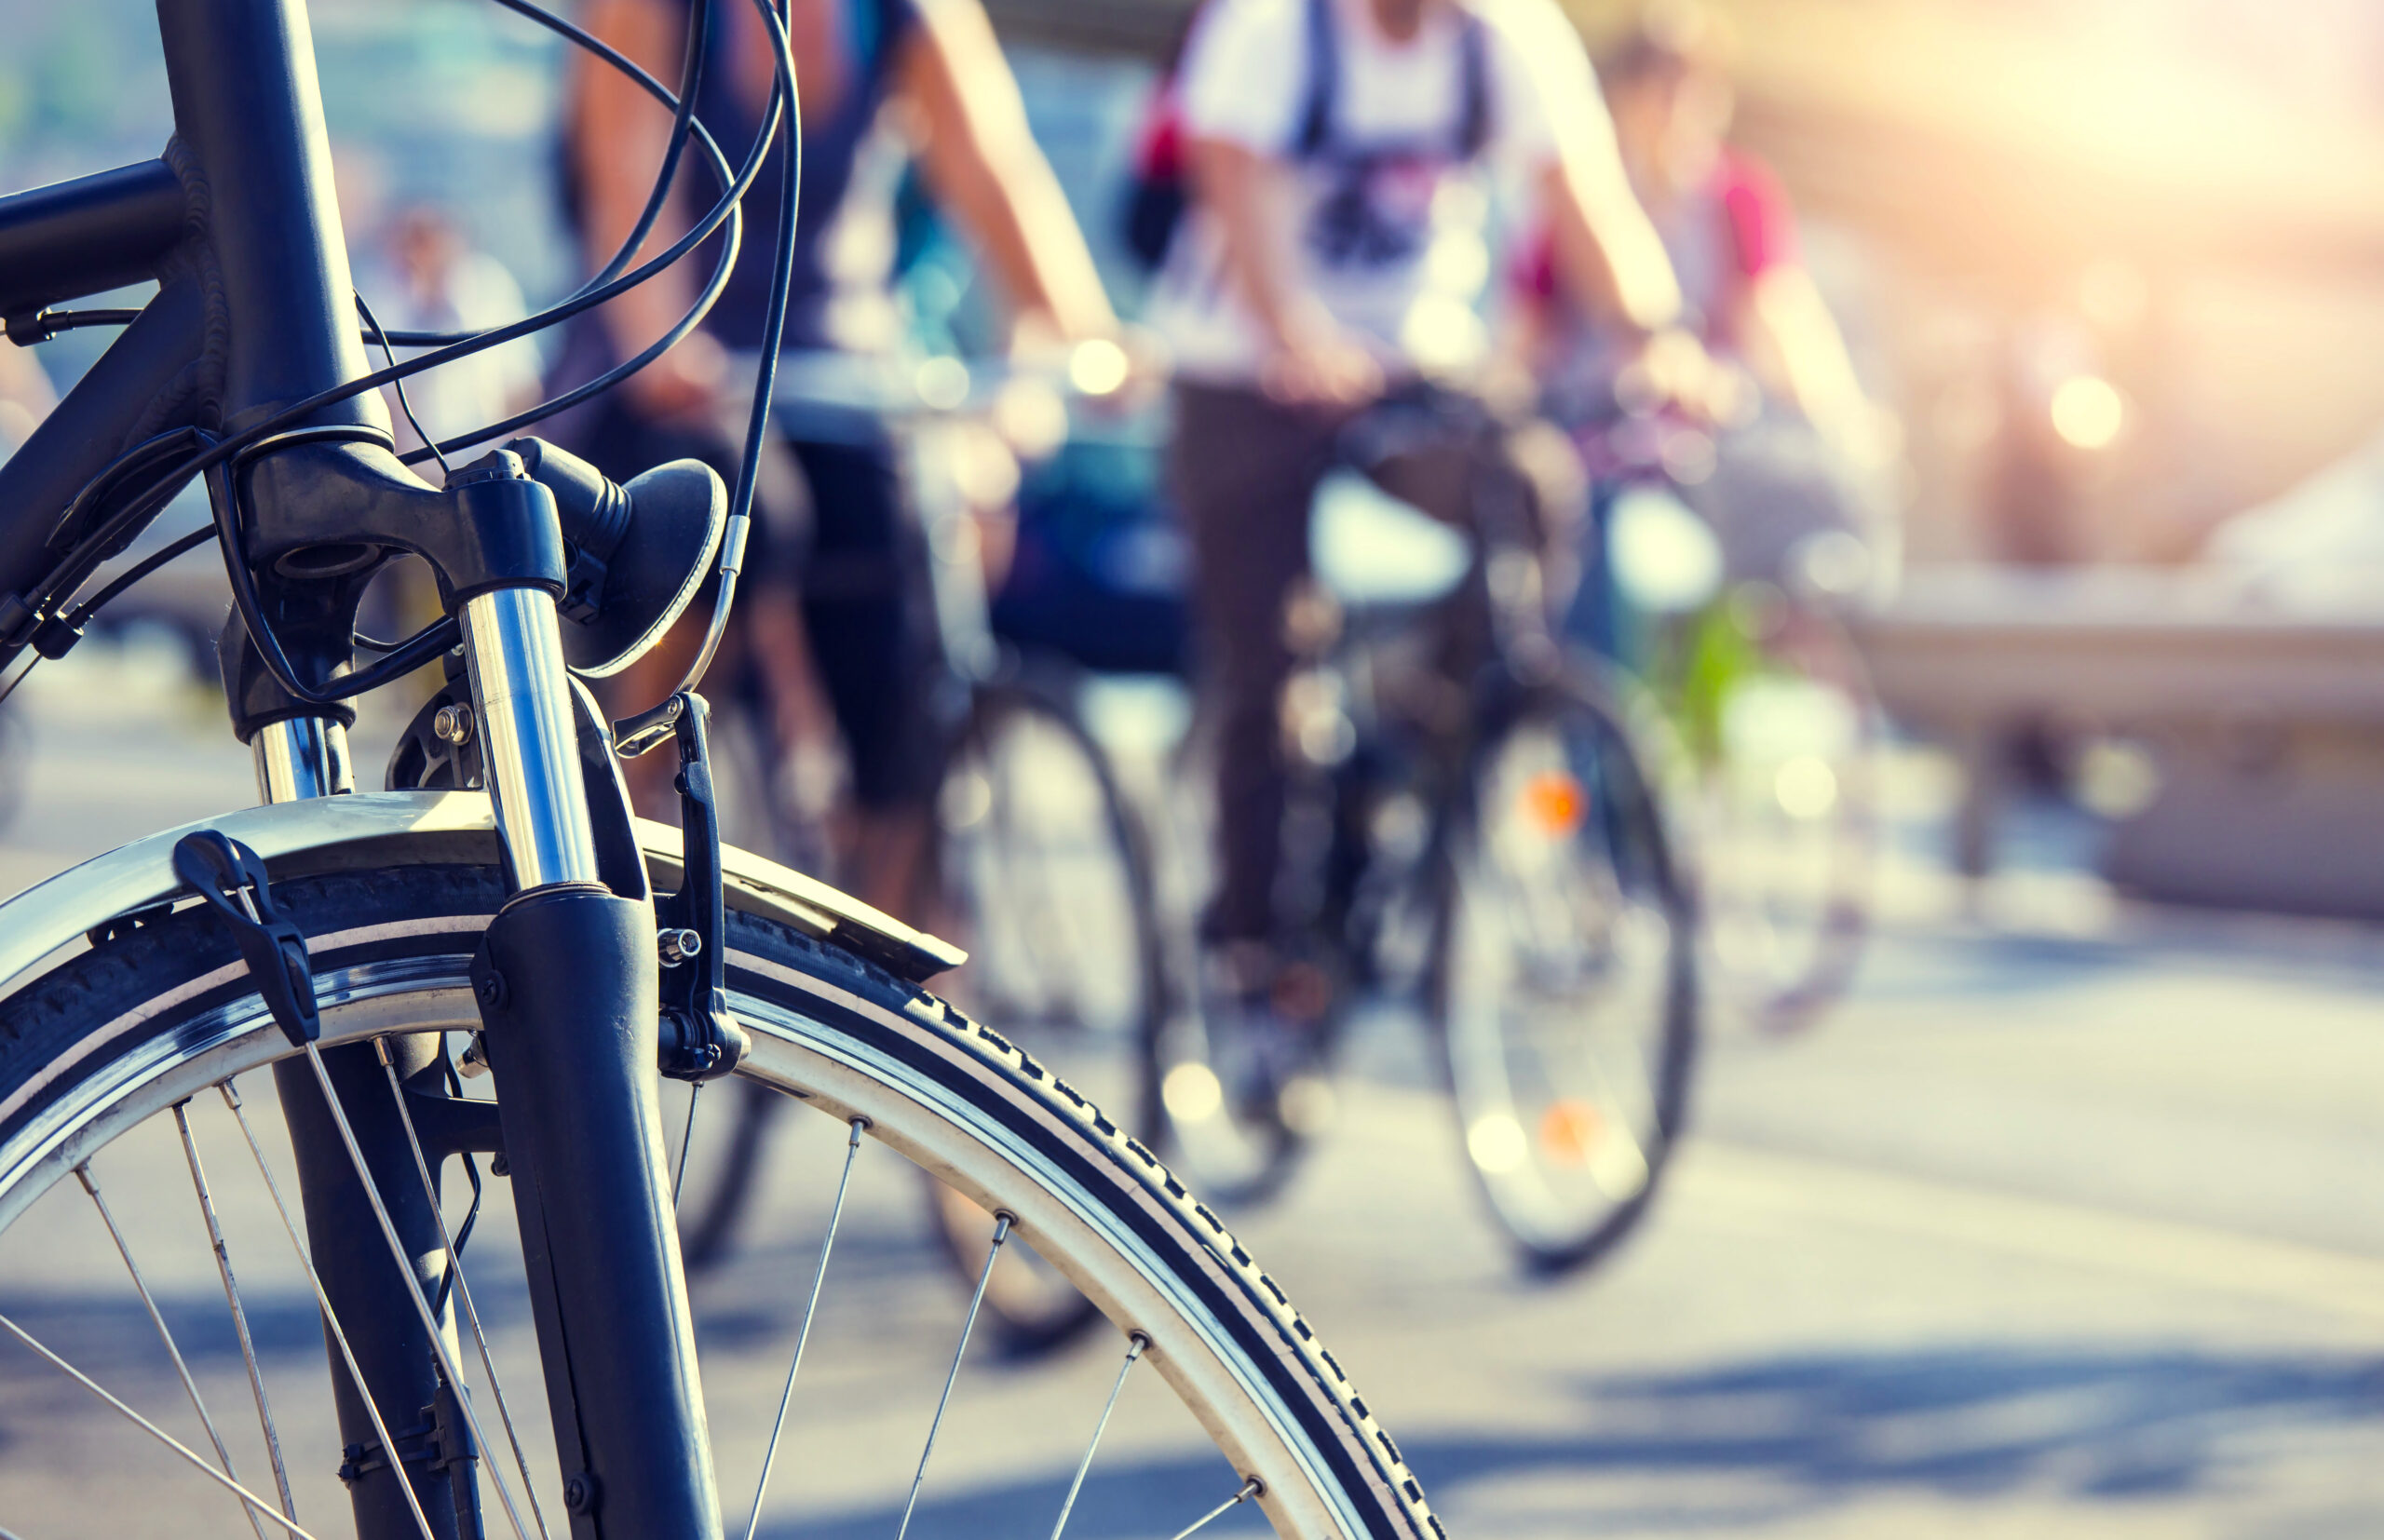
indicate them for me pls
(785, 100)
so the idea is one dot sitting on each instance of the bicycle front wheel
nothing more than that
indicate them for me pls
(1566, 978)
(109, 1066)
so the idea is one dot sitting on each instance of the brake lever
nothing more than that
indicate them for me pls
(701, 1039)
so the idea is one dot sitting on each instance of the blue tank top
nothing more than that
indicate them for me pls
(875, 29)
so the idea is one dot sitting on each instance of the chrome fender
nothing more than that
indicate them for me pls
(383, 829)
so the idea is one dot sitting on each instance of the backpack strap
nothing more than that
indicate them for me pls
(1323, 65)
(1179, 44)
(1473, 112)
(1323, 69)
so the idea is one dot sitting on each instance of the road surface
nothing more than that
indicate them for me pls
(2067, 1224)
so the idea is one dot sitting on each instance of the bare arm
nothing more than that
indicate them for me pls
(1246, 192)
(985, 167)
(617, 136)
(1607, 251)
(1795, 346)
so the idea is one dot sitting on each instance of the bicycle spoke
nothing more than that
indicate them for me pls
(439, 1347)
(1134, 1346)
(240, 1310)
(769, 1456)
(686, 1141)
(157, 1319)
(462, 1293)
(1250, 1489)
(993, 1254)
(331, 1317)
(254, 1503)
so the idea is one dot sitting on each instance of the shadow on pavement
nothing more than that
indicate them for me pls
(1734, 1446)
(1773, 1438)
(1119, 1500)
(1973, 1421)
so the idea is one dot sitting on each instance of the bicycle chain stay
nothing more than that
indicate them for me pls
(700, 1038)
(231, 877)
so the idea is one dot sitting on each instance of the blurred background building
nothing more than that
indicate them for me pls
(2174, 200)
(2119, 264)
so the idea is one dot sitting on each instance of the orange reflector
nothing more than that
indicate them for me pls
(1554, 803)
(1569, 1131)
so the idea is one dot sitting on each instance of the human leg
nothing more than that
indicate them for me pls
(1243, 471)
(864, 615)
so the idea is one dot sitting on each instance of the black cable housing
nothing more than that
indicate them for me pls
(81, 615)
(218, 458)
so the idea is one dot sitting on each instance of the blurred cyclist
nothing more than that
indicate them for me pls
(1330, 144)
(1725, 220)
(1730, 233)
(847, 606)
(427, 276)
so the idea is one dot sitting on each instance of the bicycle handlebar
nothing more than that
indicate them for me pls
(942, 385)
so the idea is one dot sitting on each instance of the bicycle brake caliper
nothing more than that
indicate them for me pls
(700, 1039)
(231, 877)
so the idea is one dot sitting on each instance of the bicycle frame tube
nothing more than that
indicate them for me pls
(145, 383)
(94, 233)
(248, 122)
(301, 757)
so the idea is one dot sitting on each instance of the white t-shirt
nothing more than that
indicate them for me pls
(1374, 203)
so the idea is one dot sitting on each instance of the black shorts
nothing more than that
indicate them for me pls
(840, 543)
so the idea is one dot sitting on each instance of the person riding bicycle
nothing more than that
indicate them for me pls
(1333, 149)
(842, 598)
(1801, 439)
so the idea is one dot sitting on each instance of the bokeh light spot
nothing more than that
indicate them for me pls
(2088, 412)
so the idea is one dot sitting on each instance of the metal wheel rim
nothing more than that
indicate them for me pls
(911, 1113)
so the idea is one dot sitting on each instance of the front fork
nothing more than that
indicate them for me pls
(566, 982)
(300, 758)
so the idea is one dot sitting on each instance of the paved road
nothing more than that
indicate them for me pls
(2063, 1227)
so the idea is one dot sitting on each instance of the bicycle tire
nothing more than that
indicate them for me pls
(985, 802)
(1622, 1151)
(1240, 1148)
(1786, 889)
(153, 1015)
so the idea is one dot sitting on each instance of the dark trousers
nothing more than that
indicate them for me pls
(1243, 470)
